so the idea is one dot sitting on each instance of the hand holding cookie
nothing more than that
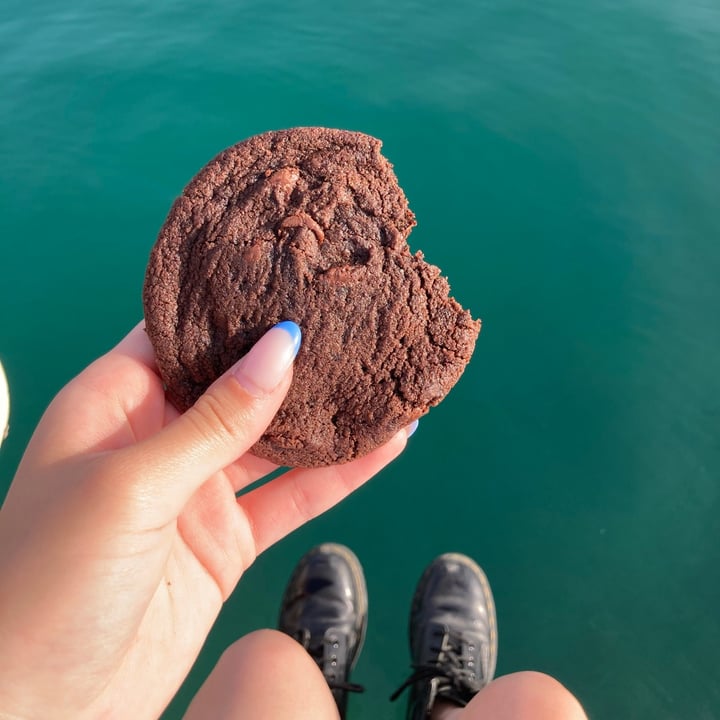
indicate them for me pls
(122, 534)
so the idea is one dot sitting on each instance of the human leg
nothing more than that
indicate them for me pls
(519, 696)
(304, 670)
(265, 676)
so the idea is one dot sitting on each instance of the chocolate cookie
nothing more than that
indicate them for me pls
(306, 225)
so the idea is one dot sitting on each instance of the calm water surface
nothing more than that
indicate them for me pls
(563, 160)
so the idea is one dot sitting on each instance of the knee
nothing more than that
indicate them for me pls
(261, 653)
(534, 695)
(264, 675)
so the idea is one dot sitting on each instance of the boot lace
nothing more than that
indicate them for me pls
(329, 652)
(457, 666)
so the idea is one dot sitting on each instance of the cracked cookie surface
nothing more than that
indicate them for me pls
(308, 225)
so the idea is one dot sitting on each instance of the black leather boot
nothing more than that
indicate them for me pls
(453, 635)
(325, 609)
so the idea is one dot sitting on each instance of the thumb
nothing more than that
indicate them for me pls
(223, 423)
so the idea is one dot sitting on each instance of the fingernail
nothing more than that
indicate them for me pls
(262, 369)
(412, 427)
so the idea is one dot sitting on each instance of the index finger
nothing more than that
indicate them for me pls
(284, 504)
(136, 345)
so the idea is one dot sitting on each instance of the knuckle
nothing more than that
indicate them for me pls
(215, 415)
(302, 504)
(115, 488)
(348, 478)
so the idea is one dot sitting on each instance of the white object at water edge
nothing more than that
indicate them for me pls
(4, 405)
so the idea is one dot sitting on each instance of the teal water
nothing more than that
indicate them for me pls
(563, 160)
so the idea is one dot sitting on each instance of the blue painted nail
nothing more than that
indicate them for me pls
(412, 427)
(292, 329)
(267, 362)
